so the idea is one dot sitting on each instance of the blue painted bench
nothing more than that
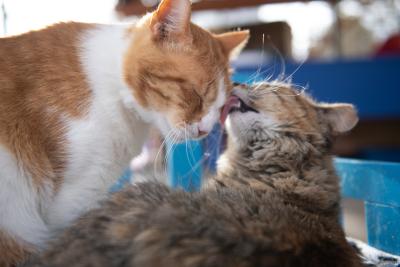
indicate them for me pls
(377, 184)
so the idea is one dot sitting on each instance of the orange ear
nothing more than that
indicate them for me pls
(171, 19)
(233, 42)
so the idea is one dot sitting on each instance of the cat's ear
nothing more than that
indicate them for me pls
(341, 117)
(171, 20)
(233, 42)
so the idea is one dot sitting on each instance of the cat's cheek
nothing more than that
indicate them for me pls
(234, 127)
(207, 122)
(161, 123)
(172, 127)
(239, 125)
(213, 115)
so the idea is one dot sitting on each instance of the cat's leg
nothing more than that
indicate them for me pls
(22, 228)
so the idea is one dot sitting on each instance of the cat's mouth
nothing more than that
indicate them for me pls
(235, 104)
(242, 107)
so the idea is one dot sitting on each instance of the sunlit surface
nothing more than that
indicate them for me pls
(307, 21)
(25, 15)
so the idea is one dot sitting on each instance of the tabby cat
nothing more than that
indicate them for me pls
(274, 201)
(76, 103)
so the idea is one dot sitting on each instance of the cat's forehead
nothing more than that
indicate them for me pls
(274, 88)
(202, 37)
(278, 94)
(284, 102)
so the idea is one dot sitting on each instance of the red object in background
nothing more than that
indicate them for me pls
(390, 47)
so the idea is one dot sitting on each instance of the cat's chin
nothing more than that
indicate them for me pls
(246, 127)
(238, 123)
(183, 137)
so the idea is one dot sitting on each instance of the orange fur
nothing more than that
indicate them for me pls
(161, 76)
(12, 251)
(40, 78)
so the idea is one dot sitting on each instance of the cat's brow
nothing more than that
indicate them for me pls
(209, 86)
(162, 95)
(169, 78)
(284, 103)
(303, 107)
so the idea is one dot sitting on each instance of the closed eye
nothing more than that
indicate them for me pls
(208, 88)
(169, 78)
(199, 99)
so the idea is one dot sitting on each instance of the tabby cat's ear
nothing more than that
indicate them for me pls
(233, 42)
(171, 20)
(341, 117)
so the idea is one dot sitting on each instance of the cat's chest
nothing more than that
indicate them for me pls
(102, 144)
(99, 148)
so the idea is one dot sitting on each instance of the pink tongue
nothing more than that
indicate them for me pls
(231, 102)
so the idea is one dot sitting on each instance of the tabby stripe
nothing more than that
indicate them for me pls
(158, 92)
(168, 78)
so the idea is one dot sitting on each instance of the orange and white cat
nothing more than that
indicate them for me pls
(76, 103)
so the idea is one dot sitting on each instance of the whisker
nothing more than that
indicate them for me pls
(163, 144)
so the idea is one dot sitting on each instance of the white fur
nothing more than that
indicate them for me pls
(208, 121)
(102, 143)
(238, 124)
(223, 163)
(372, 255)
(20, 214)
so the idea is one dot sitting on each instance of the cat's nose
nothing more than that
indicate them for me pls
(202, 133)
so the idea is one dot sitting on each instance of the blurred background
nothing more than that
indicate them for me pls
(339, 50)
(346, 50)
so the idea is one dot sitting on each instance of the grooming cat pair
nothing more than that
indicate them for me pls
(274, 202)
(76, 103)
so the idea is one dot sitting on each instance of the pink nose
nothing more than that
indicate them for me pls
(202, 133)
(201, 130)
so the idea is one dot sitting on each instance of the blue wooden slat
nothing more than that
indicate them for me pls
(372, 181)
(187, 161)
(383, 225)
(185, 168)
(212, 147)
(122, 181)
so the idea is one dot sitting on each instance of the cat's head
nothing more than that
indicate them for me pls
(286, 119)
(178, 72)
